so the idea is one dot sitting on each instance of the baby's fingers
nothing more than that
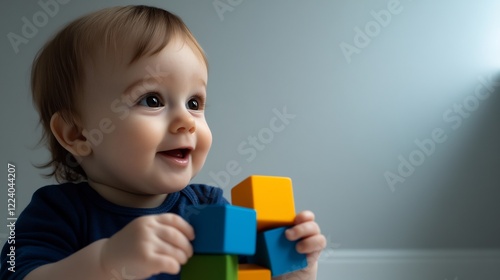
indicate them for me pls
(178, 223)
(174, 244)
(304, 216)
(302, 230)
(311, 244)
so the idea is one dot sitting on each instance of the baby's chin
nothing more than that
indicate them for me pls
(175, 185)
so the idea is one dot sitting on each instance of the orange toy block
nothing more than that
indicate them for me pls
(270, 196)
(253, 272)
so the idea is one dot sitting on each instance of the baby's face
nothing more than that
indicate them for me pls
(145, 122)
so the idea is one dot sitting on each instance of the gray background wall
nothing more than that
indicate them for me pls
(360, 102)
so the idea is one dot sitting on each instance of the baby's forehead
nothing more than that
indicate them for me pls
(118, 71)
(108, 59)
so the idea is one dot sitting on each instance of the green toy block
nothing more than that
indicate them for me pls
(211, 267)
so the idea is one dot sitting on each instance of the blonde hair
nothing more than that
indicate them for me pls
(58, 74)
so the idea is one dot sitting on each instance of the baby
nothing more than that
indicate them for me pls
(121, 95)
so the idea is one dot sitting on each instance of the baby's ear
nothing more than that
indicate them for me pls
(70, 136)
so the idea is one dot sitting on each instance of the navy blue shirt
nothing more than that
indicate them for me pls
(62, 219)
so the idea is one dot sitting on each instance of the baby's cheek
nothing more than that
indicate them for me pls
(203, 144)
(204, 137)
(133, 141)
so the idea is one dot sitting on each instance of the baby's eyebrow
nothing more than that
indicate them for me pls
(156, 80)
(144, 82)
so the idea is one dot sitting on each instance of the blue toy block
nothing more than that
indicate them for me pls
(277, 253)
(223, 229)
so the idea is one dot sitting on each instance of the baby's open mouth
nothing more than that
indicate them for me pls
(178, 153)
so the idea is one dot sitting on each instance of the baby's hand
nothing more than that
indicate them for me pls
(148, 245)
(311, 244)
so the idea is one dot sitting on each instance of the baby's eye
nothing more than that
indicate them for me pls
(194, 104)
(151, 100)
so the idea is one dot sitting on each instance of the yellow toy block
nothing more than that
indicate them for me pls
(270, 196)
(253, 272)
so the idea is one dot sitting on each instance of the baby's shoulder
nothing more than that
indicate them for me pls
(63, 189)
(65, 193)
